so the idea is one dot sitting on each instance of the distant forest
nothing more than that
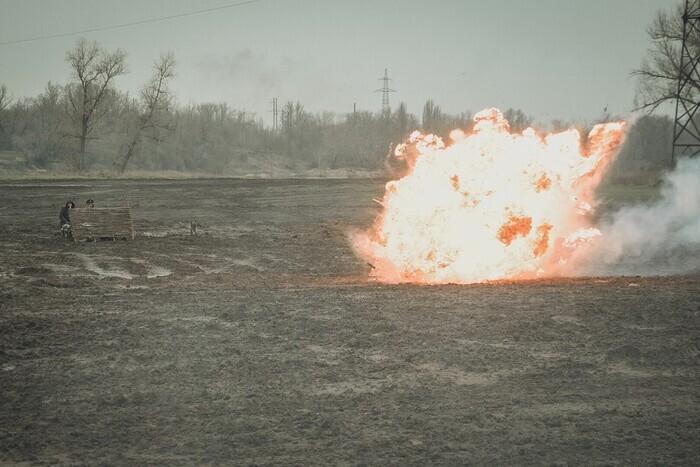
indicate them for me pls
(88, 125)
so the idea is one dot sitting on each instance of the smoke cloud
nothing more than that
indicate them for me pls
(661, 238)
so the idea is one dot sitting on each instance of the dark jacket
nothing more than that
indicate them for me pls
(64, 215)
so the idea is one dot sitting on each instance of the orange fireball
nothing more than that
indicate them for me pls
(491, 205)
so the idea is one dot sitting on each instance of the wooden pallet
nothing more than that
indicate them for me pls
(101, 224)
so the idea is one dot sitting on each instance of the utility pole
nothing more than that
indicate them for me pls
(275, 112)
(686, 135)
(385, 93)
(244, 122)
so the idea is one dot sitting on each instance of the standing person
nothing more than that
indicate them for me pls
(64, 217)
(89, 203)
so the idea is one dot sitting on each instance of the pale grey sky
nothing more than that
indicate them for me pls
(563, 59)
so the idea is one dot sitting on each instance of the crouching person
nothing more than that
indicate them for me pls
(64, 216)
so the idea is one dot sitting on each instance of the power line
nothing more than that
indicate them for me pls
(164, 18)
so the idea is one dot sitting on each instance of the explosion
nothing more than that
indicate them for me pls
(492, 205)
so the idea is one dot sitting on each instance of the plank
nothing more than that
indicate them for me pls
(101, 223)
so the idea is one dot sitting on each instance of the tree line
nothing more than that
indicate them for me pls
(89, 124)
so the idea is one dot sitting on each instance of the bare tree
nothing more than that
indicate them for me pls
(44, 141)
(18, 113)
(401, 121)
(433, 119)
(5, 98)
(294, 122)
(517, 119)
(5, 101)
(94, 69)
(657, 78)
(154, 106)
(643, 157)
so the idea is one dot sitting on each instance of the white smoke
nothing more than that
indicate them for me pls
(661, 238)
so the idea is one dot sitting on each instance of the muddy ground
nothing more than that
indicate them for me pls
(262, 340)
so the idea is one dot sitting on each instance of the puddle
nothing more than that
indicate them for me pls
(152, 271)
(157, 271)
(61, 268)
(91, 265)
(247, 264)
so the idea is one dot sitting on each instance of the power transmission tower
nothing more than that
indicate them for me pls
(385, 92)
(686, 135)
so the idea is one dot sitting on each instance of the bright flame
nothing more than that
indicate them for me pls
(492, 205)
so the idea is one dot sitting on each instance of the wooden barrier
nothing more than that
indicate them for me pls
(92, 224)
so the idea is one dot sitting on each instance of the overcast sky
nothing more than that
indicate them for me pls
(563, 59)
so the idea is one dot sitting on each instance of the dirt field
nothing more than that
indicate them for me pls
(263, 341)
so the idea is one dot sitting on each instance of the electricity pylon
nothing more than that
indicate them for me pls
(385, 93)
(686, 135)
